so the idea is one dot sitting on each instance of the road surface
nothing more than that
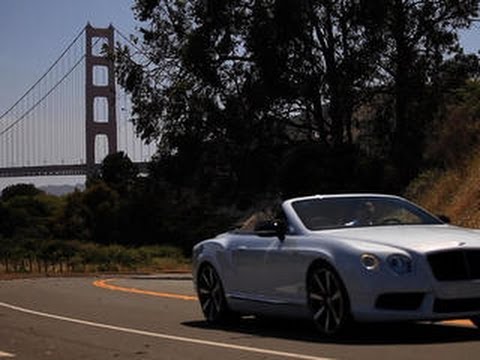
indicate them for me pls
(158, 318)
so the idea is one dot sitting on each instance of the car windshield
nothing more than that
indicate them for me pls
(343, 212)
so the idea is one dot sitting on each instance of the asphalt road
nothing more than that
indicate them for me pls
(157, 318)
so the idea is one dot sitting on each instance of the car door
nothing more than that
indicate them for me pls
(248, 254)
(284, 270)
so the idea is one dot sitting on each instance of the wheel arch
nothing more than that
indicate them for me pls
(205, 262)
(319, 261)
(325, 262)
(209, 261)
(207, 253)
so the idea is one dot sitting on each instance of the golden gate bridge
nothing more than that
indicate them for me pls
(73, 115)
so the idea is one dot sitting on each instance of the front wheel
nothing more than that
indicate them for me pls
(327, 300)
(211, 295)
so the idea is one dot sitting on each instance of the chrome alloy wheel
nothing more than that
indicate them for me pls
(327, 300)
(211, 295)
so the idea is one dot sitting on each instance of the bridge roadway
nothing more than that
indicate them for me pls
(159, 318)
(55, 170)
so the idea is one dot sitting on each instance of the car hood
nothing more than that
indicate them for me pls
(418, 238)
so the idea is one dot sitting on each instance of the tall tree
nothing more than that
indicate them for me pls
(418, 36)
(118, 172)
(226, 79)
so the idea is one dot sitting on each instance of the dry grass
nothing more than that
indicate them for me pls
(161, 265)
(98, 260)
(453, 192)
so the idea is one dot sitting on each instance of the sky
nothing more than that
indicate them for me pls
(33, 33)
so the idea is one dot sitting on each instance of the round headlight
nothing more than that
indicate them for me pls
(400, 264)
(369, 261)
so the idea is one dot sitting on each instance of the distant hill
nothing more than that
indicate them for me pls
(59, 190)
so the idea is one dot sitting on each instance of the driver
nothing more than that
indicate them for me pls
(364, 215)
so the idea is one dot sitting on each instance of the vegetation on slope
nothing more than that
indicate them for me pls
(451, 184)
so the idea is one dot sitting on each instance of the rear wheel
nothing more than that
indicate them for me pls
(211, 295)
(327, 300)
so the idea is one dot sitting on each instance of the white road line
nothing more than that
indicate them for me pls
(165, 336)
(6, 355)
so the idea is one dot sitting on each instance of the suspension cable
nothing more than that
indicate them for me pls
(43, 97)
(45, 74)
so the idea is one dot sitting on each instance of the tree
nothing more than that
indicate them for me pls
(457, 71)
(226, 79)
(239, 65)
(20, 190)
(72, 222)
(231, 81)
(455, 135)
(101, 206)
(29, 216)
(118, 172)
(418, 35)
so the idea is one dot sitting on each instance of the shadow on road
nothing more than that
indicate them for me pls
(366, 334)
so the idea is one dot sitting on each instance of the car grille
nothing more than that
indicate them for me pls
(455, 265)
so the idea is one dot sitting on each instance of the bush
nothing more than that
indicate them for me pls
(58, 256)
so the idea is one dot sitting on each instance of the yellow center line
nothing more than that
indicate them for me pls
(104, 285)
(459, 322)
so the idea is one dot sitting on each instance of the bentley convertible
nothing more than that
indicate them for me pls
(342, 258)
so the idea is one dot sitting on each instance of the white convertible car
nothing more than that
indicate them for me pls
(337, 258)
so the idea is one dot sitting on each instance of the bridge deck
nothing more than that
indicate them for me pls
(55, 170)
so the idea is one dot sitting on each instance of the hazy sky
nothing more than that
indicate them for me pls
(33, 33)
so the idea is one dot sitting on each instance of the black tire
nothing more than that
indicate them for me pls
(211, 295)
(327, 300)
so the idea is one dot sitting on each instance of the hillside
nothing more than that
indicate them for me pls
(451, 186)
(454, 192)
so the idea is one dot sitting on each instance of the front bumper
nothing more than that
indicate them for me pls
(413, 297)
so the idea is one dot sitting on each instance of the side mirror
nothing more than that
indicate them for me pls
(444, 218)
(271, 228)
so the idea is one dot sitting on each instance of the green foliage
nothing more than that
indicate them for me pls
(28, 212)
(59, 256)
(101, 205)
(233, 87)
(457, 71)
(72, 221)
(12, 191)
(118, 172)
(468, 98)
(457, 133)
